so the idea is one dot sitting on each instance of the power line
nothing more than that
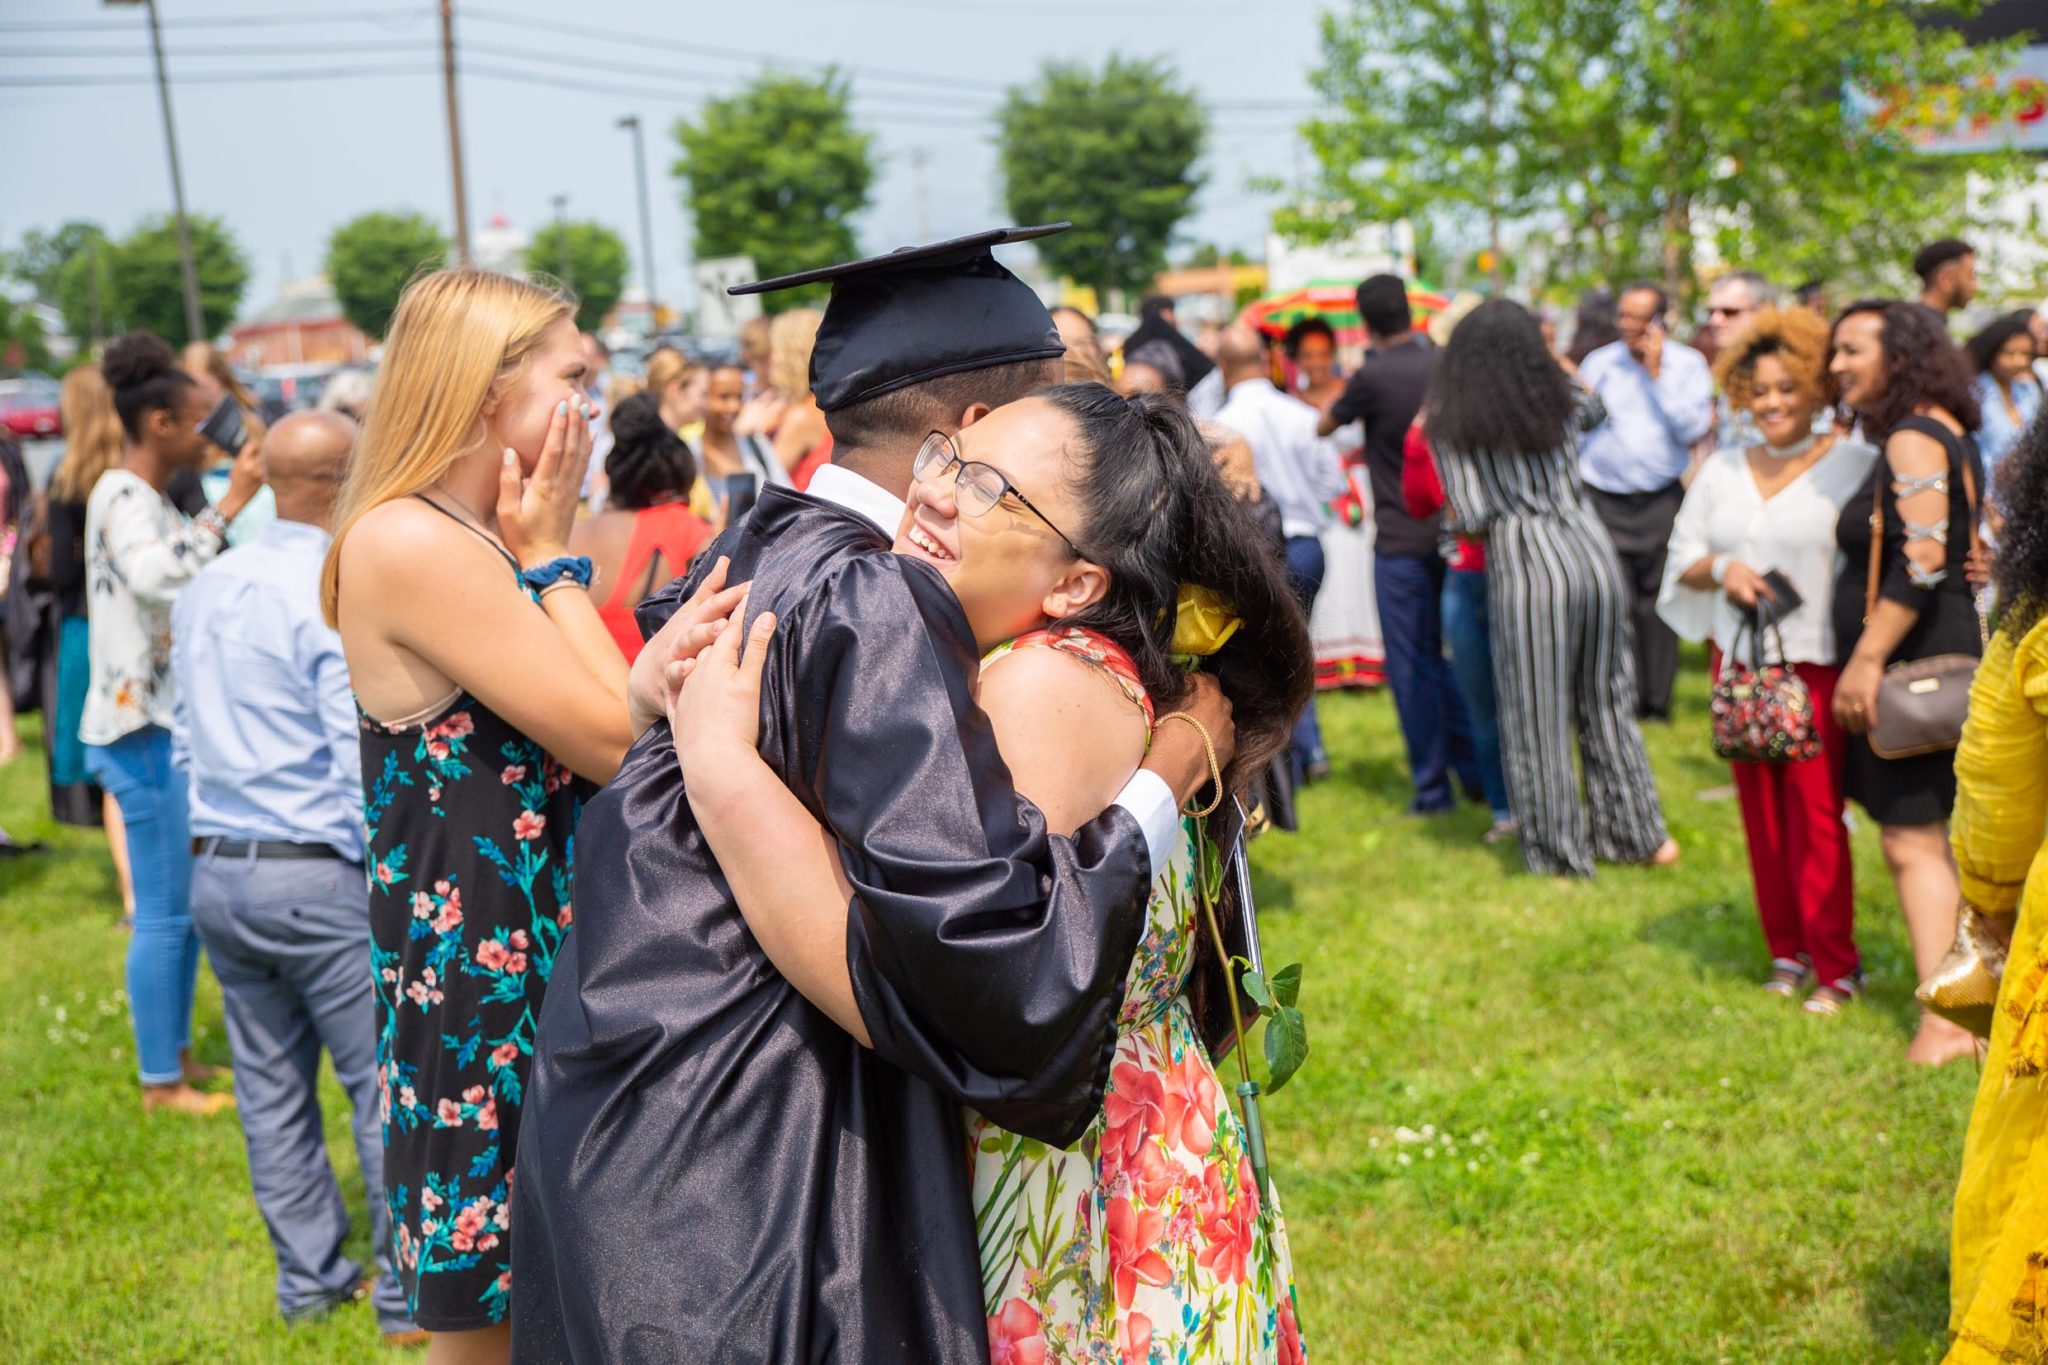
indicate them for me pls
(210, 77)
(254, 20)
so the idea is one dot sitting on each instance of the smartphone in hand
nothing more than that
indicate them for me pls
(1784, 600)
(223, 426)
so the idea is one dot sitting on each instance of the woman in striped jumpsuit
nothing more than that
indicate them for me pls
(1504, 421)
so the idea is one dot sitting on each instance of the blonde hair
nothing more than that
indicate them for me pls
(205, 358)
(458, 336)
(92, 433)
(668, 366)
(790, 337)
(619, 387)
(1798, 337)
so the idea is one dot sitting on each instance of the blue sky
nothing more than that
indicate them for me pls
(358, 125)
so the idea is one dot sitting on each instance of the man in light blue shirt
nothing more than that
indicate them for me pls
(1659, 396)
(266, 733)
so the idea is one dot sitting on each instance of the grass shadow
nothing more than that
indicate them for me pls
(1905, 1300)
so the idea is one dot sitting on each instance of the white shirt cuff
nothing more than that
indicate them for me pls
(1150, 802)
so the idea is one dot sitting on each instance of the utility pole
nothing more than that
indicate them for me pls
(565, 268)
(195, 321)
(631, 122)
(454, 131)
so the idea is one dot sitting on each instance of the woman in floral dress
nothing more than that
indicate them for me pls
(492, 695)
(1147, 1240)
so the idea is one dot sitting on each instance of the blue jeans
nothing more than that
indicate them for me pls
(1467, 633)
(1408, 590)
(163, 952)
(1305, 565)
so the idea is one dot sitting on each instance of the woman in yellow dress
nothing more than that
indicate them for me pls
(1998, 1285)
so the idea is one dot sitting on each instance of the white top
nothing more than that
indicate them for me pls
(1300, 471)
(140, 553)
(1724, 513)
(1146, 796)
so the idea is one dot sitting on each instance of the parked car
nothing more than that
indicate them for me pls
(31, 409)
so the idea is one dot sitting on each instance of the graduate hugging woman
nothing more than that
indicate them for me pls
(906, 884)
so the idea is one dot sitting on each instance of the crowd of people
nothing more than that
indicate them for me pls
(779, 779)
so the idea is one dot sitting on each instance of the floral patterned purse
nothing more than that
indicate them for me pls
(1763, 713)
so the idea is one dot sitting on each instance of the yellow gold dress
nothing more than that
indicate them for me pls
(1998, 1265)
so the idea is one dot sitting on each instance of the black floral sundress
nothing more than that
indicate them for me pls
(471, 841)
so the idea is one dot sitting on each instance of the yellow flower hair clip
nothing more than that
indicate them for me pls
(1202, 622)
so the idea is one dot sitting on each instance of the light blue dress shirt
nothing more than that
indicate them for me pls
(1646, 442)
(265, 728)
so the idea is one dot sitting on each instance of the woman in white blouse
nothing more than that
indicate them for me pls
(140, 552)
(1753, 510)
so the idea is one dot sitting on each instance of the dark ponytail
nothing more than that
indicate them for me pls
(144, 376)
(1157, 514)
(648, 463)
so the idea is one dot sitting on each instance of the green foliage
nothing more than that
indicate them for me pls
(372, 257)
(22, 343)
(1622, 129)
(777, 172)
(59, 267)
(148, 288)
(589, 259)
(1115, 152)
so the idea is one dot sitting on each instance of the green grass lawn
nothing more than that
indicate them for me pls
(1538, 1122)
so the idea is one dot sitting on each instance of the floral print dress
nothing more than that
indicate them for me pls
(1144, 1242)
(471, 839)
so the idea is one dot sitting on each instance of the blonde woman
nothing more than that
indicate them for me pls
(679, 383)
(786, 413)
(491, 701)
(208, 365)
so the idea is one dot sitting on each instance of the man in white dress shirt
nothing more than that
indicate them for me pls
(1299, 472)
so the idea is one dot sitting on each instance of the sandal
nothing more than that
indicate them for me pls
(1789, 977)
(1832, 998)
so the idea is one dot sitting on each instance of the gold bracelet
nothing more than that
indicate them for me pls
(1209, 747)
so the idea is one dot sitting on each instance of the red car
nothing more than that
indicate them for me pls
(31, 410)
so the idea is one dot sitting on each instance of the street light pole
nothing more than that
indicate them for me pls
(632, 122)
(195, 321)
(454, 131)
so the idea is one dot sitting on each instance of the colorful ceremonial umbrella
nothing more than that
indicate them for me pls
(1335, 303)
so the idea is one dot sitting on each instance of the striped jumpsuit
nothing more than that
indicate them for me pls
(1561, 659)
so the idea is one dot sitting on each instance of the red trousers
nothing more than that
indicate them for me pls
(1798, 845)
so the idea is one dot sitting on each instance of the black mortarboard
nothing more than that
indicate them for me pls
(922, 312)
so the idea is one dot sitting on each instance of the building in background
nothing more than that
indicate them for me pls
(303, 326)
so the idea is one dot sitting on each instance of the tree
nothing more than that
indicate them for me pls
(69, 267)
(22, 343)
(148, 288)
(1626, 132)
(1113, 152)
(589, 259)
(777, 172)
(372, 257)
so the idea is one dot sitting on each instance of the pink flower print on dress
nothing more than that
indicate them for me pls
(514, 772)
(422, 905)
(492, 955)
(529, 825)
(503, 1055)
(450, 918)
(487, 1117)
(1133, 1110)
(1016, 1336)
(1191, 1098)
(519, 940)
(1134, 1339)
(448, 1114)
(516, 963)
(1133, 1236)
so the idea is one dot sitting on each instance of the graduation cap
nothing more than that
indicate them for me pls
(921, 312)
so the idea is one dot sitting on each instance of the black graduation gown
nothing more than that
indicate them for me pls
(709, 1168)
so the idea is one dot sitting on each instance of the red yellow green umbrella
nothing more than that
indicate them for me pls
(1335, 303)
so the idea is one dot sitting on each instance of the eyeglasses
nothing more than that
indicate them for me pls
(1719, 312)
(977, 487)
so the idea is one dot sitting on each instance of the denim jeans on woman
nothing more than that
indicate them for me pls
(163, 952)
(1467, 633)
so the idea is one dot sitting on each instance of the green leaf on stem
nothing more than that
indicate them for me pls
(1255, 986)
(1286, 1046)
(1287, 983)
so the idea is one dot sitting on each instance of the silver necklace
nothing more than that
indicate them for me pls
(1793, 451)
